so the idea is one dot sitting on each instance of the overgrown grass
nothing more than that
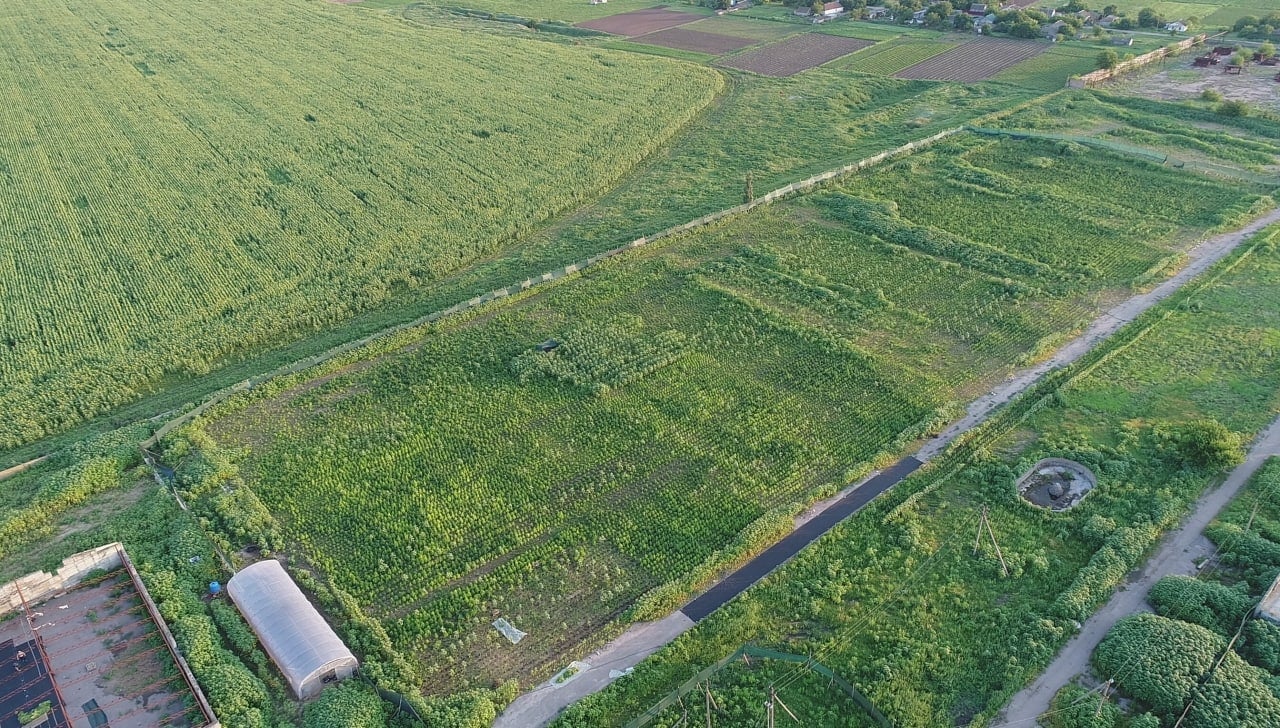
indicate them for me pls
(896, 599)
(699, 387)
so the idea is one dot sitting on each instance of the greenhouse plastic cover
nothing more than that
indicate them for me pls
(298, 639)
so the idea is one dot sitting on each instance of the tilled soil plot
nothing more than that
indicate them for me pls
(975, 61)
(793, 55)
(695, 40)
(640, 22)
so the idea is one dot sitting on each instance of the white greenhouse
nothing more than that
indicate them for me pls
(299, 641)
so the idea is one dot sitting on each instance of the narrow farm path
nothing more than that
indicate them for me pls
(540, 705)
(1200, 259)
(1179, 551)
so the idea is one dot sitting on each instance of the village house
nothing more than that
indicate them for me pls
(831, 10)
(876, 11)
(1052, 30)
(1176, 26)
(1088, 16)
(1106, 20)
(977, 10)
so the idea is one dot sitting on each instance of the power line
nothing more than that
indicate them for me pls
(855, 628)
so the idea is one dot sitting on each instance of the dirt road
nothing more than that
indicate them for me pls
(1179, 551)
(1201, 258)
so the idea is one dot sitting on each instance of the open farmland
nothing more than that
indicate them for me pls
(895, 599)
(698, 387)
(176, 196)
(977, 60)
(695, 40)
(886, 59)
(640, 22)
(796, 54)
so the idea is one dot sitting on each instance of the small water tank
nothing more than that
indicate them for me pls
(215, 588)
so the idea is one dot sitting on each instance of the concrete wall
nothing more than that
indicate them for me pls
(38, 586)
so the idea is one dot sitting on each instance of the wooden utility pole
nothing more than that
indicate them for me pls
(1252, 513)
(1103, 698)
(711, 702)
(775, 700)
(985, 522)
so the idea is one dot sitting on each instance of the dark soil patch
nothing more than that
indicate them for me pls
(640, 22)
(695, 40)
(796, 54)
(975, 61)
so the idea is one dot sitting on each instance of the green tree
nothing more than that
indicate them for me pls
(1108, 59)
(1148, 18)
(939, 15)
(1204, 443)
(1244, 22)
(1267, 49)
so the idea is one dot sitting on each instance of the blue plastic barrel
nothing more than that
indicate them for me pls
(214, 588)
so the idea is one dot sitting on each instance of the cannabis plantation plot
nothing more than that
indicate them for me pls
(551, 460)
(184, 181)
(895, 600)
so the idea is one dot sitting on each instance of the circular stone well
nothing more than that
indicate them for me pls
(1056, 483)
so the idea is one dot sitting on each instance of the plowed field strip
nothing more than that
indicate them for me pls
(640, 22)
(796, 54)
(976, 61)
(695, 40)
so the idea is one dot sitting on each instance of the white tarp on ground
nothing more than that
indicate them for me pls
(509, 631)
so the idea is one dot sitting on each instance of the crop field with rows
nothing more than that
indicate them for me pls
(894, 56)
(896, 600)
(185, 181)
(692, 395)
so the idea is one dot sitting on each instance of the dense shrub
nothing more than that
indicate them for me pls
(1258, 558)
(349, 705)
(1211, 605)
(1074, 707)
(1157, 660)
(1236, 696)
(1204, 443)
(1261, 645)
(1105, 569)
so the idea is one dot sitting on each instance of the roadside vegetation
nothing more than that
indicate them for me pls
(1203, 657)
(188, 208)
(896, 600)
(631, 436)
